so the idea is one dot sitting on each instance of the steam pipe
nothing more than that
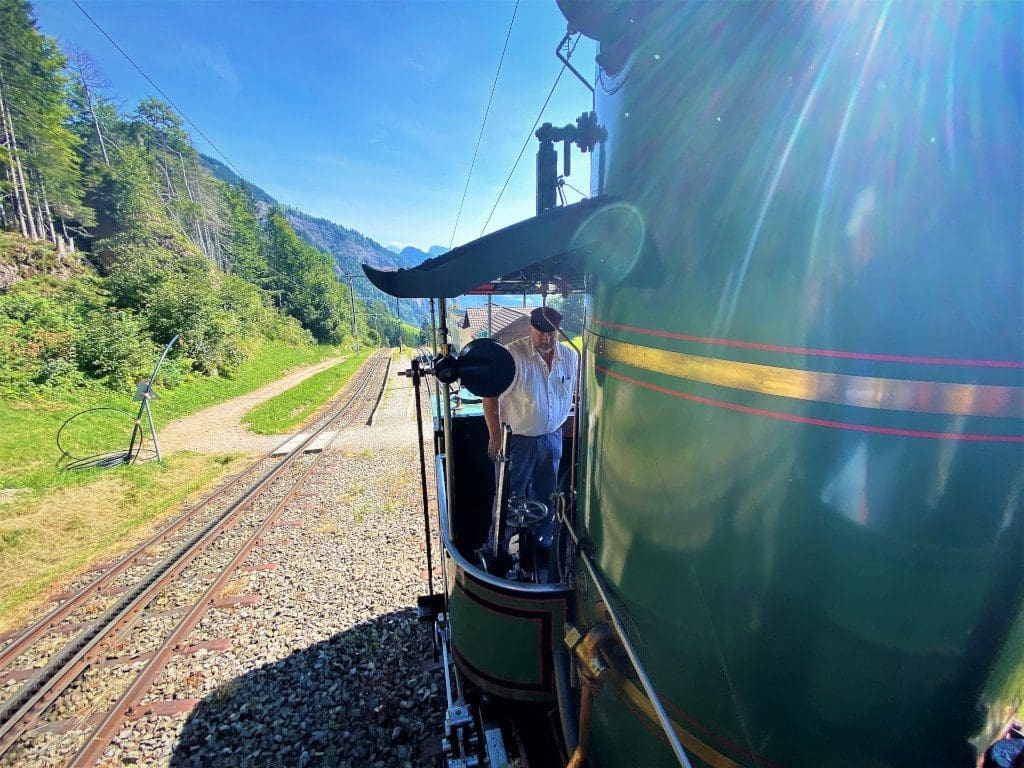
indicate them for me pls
(579, 756)
(563, 694)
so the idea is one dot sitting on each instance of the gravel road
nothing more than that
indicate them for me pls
(219, 428)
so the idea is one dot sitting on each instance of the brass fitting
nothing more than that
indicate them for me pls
(592, 652)
(591, 659)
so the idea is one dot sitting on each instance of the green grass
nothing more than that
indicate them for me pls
(59, 532)
(58, 521)
(292, 407)
(28, 450)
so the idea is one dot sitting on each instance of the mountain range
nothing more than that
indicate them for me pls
(349, 248)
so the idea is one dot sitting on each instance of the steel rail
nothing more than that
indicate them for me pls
(380, 395)
(41, 690)
(53, 619)
(21, 712)
(23, 640)
(50, 621)
(124, 708)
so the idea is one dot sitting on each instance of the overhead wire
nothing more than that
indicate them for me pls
(483, 123)
(159, 90)
(526, 143)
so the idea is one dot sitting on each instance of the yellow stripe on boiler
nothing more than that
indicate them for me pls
(799, 384)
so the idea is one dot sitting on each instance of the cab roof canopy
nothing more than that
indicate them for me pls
(539, 255)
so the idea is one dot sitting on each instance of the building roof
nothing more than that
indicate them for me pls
(475, 318)
(514, 330)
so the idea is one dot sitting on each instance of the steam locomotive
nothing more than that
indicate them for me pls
(792, 514)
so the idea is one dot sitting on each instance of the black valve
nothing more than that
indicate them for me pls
(585, 134)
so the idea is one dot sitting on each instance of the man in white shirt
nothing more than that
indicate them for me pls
(535, 406)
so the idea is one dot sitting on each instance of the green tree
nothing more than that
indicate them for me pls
(39, 163)
(572, 309)
(245, 248)
(305, 279)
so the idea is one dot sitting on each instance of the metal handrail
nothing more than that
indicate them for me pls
(475, 571)
(634, 658)
(499, 494)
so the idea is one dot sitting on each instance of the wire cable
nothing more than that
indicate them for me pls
(562, 181)
(521, 151)
(159, 90)
(487, 111)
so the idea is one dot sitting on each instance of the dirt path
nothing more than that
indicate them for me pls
(218, 429)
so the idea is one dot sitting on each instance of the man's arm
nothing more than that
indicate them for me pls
(493, 426)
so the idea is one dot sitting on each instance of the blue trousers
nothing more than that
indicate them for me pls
(534, 473)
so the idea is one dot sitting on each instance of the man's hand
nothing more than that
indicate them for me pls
(490, 405)
(494, 447)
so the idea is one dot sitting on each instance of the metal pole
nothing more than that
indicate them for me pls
(490, 328)
(352, 298)
(634, 658)
(398, 314)
(447, 405)
(433, 332)
(147, 393)
(423, 473)
(152, 428)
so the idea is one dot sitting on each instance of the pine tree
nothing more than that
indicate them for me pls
(39, 155)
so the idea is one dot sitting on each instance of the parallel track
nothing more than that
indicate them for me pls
(200, 527)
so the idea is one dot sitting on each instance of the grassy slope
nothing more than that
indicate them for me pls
(28, 451)
(56, 521)
(292, 407)
(54, 534)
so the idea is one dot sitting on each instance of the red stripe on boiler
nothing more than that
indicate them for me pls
(817, 422)
(815, 352)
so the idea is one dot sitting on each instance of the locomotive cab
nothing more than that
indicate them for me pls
(506, 611)
(507, 596)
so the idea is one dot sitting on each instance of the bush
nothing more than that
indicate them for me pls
(114, 346)
(37, 341)
(174, 372)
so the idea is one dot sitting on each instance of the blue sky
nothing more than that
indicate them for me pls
(363, 113)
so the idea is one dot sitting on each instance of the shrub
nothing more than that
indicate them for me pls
(114, 346)
(37, 341)
(174, 372)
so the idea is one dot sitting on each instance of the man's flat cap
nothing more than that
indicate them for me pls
(545, 319)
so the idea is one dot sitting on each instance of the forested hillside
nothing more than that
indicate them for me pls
(116, 236)
(349, 248)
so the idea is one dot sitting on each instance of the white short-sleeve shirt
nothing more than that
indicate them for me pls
(538, 401)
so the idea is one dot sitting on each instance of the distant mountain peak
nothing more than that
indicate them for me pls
(412, 255)
(349, 247)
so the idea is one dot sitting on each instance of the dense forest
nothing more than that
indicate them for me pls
(116, 237)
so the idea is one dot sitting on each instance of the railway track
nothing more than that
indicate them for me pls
(121, 628)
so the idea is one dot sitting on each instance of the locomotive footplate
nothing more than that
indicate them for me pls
(461, 743)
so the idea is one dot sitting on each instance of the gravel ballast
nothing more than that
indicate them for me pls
(321, 662)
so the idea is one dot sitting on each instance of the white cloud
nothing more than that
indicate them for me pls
(400, 245)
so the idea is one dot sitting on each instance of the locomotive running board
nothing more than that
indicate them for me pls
(511, 260)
